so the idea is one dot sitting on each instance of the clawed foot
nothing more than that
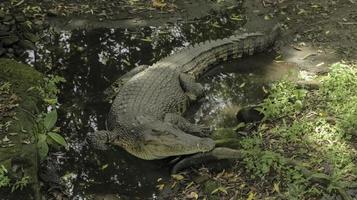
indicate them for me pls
(201, 130)
(98, 140)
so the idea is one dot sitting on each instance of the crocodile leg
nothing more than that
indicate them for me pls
(100, 139)
(186, 126)
(192, 89)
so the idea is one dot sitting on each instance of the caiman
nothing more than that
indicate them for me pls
(146, 119)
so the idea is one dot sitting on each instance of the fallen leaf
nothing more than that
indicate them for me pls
(177, 177)
(160, 186)
(220, 189)
(192, 195)
(251, 196)
(158, 4)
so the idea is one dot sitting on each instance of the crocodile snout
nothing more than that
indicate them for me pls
(205, 144)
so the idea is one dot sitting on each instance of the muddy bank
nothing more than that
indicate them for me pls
(68, 14)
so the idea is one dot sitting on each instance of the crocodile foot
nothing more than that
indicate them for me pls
(218, 153)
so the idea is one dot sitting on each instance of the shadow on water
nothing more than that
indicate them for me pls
(90, 60)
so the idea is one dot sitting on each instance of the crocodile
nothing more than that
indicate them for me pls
(146, 118)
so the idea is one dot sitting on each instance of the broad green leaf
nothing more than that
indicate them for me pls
(58, 138)
(42, 147)
(50, 120)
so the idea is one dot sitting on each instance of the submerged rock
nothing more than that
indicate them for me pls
(249, 114)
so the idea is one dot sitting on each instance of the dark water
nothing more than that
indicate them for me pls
(91, 60)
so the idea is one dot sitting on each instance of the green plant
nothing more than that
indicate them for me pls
(339, 93)
(284, 100)
(4, 179)
(20, 184)
(47, 133)
(48, 92)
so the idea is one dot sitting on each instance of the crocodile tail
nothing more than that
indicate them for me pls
(198, 59)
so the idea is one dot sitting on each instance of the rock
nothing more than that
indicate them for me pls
(52, 13)
(2, 14)
(9, 40)
(26, 44)
(7, 18)
(4, 28)
(31, 37)
(4, 33)
(20, 18)
(2, 51)
(10, 22)
(249, 114)
(10, 50)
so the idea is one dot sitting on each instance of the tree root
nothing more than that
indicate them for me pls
(221, 153)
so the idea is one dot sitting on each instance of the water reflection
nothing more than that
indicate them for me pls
(90, 61)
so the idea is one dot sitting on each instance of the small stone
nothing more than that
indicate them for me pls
(7, 41)
(27, 44)
(4, 28)
(11, 22)
(38, 22)
(13, 134)
(19, 18)
(2, 14)
(2, 51)
(31, 37)
(26, 142)
(10, 55)
(7, 18)
(52, 13)
(5, 139)
(4, 33)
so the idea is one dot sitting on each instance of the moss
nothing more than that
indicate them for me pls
(23, 153)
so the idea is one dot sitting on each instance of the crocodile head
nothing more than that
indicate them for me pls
(149, 141)
(158, 140)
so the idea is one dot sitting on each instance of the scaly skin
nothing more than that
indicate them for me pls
(145, 117)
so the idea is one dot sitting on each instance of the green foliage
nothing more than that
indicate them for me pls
(49, 90)
(20, 184)
(50, 120)
(312, 127)
(284, 100)
(4, 179)
(257, 161)
(42, 146)
(57, 138)
(340, 96)
(47, 133)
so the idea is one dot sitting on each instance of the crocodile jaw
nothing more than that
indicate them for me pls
(166, 142)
